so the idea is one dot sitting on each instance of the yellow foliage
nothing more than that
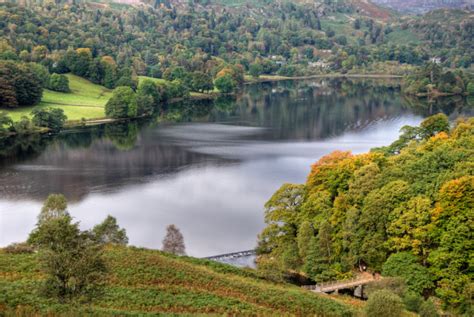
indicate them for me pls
(84, 50)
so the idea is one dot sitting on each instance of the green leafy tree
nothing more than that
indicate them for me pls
(256, 70)
(470, 88)
(305, 233)
(428, 309)
(434, 124)
(55, 206)
(7, 93)
(51, 118)
(122, 104)
(225, 84)
(5, 123)
(41, 72)
(201, 82)
(28, 87)
(453, 235)
(19, 85)
(80, 62)
(71, 260)
(59, 82)
(406, 266)
(148, 87)
(412, 301)
(110, 232)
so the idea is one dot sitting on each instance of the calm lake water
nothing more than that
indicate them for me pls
(208, 169)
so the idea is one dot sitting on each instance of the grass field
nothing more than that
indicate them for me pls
(403, 37)
(86, 100)
(146, 282)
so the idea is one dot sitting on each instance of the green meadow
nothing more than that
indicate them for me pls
(86, 100)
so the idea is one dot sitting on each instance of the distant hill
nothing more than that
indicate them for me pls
(423, 6)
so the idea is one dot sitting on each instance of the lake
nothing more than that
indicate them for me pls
(206, 166)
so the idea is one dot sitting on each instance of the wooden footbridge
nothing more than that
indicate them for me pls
(334, 286)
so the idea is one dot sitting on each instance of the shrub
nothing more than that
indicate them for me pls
(384, 303)
(18, 248)
(59, 83)
(428, 309)
(394, 284)
(412, 301)
(52, 118)
(24, 125)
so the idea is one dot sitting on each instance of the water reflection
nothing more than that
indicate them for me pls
(211, 172)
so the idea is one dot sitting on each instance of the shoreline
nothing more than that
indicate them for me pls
(275, 78)
(208, 96)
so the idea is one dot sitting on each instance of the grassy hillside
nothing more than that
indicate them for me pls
(142, 282)
(86, 100)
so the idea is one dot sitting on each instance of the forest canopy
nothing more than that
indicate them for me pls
(405, 210)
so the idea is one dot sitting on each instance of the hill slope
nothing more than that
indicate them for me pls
(86, 100)
(144, 282)
(422, 6)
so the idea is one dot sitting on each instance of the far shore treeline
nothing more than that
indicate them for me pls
(195, 48)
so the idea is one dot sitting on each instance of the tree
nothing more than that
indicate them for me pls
(71, 259)
(28, 86)
(59, 82)
(173, 241)
(201, 81)
(110, 232)
(144, 104)
(19, 85)
(470, 88)
(7, 93)
(452, 233)
(55, 206)
(434, 124)
(110, 74)
(256, 70)
(80, 62)
(384, 303)
(41, 72)
(405, 265)
(225, 84)
(305, 233)
(122, 104)
(127, 79)
(428, 309)
(5, 122)
(320, 254)
(148, 87)
(51, 118)
(410, 228)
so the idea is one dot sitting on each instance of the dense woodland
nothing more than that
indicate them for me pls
(204, 46)
(404, 210)
(197, 43)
